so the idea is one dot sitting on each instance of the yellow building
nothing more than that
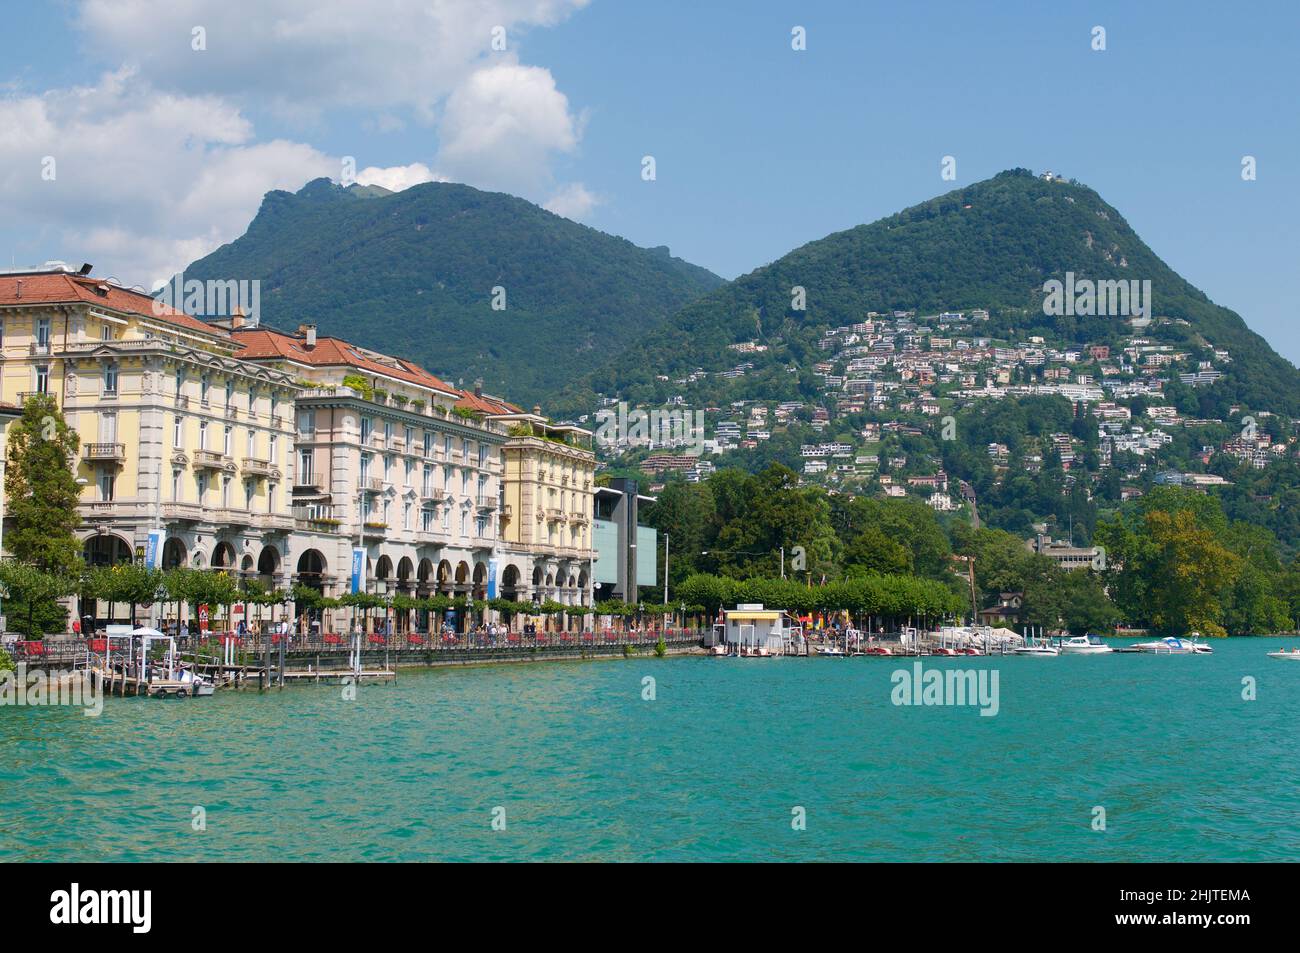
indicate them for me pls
(177, 436)
(547, 488)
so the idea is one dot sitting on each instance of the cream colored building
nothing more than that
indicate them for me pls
(547, 511)
(177, 435)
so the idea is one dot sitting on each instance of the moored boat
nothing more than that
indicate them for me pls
(1084, 645)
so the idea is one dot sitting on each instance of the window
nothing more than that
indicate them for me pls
(410, 438)
(43, 333)
(446, 479)
(248, 494)
(388, 433)
(464, 448)
(482, 455)
(252, 442)
(427, 486)
(178, 431)
(307, 421)
(446, 517)
(227, 435)
(107, 484)
(464, 522)
(304, 467)
(176, 484)
(426, 519)
(366, 426)
(202, 483)
(273, 453)
(406, 516)
(428, 444)
(205, 383)
(42, 378)
(365, 467)
(106, 331)
(482, 526)
(446, 446)
(230, 390)
(271, 489)
(180, 380)
(203, 435)
(225, 492)
(388, 468)
(410, 469)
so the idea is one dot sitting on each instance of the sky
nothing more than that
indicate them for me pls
(140, 135)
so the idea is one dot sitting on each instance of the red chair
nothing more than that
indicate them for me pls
(512, 638)
(332, 638)
(376, 639)
(33, 648)
(414, 640)
(97, 645)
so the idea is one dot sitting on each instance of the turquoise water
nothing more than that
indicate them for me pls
(709, 770)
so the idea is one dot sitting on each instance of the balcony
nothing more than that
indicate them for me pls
(39, 347)
(189, 512)
(309, 483)
(433, 496)
(554, 515)
(258, 468)
(371, 484)
(275, 522)
(487, 503)
(25, 395)
(232, 412)
(182, 401)
(232, 516)
(211, 460)
(374, 529)
(104, 453)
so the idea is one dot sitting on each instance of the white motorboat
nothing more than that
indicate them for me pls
(1084, 645)
(834, 651)
(1173, 645)
(1037, 650)
(1292, 654)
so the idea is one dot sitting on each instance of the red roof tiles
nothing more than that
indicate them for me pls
(58, 288)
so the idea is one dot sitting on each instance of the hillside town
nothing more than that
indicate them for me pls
(896, 376)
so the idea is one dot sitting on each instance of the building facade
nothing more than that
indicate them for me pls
(178, 436)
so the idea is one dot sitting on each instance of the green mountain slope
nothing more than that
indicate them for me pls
(989, 245)
(413, 273)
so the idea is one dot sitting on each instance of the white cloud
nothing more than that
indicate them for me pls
(399, 177)
(573, 201)
(502, 126)
(158, 160)
(146, 180)
(313, 54)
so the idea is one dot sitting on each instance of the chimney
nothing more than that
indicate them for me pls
(309, 332)
(20, 287)
(236, 319)
(478, 387)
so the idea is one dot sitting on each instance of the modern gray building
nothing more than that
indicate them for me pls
(628, 553)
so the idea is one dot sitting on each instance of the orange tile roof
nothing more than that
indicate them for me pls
(485, 404)
(267, 343)
(62, 288)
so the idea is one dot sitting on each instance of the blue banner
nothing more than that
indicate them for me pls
(492, 579)
(358, 569)
(153, 549)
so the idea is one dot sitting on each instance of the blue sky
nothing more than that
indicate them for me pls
(163, 151)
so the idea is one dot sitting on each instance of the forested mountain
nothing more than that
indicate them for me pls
(990, 245)
(413, 273)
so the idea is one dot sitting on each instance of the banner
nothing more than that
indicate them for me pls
(492, 579)
(358, 569)
(153, 549)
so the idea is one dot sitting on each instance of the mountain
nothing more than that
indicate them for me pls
(990, 245)
(413, 273)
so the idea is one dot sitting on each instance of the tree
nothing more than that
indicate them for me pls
(42, 490)
(32, 598)
(131, 583)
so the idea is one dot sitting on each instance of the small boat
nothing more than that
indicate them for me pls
(1037, 651)
(1292, 654)
(719, 650)
(878, 650)
(944, 650)
(834, 651)
(1085, 645)
(1173, 645)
